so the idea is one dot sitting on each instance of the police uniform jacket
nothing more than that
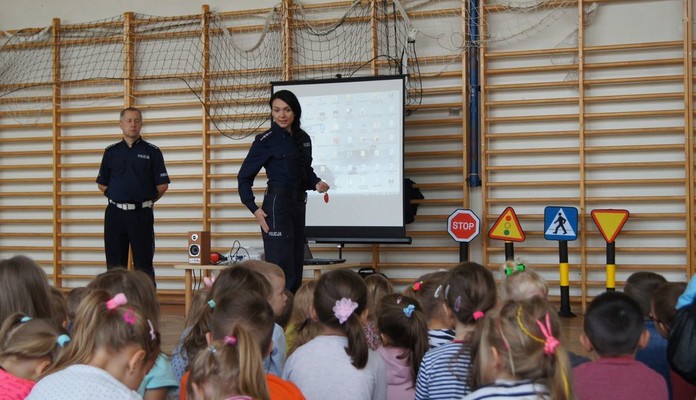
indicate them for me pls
(132, 174)
(287, 159)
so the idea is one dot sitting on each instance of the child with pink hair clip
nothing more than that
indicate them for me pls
(231, 369)
(337, 364)
(520, 354)
(112, 348)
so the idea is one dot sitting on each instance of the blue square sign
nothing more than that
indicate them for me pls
(560, 223)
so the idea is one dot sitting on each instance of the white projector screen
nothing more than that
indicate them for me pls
(357, 131)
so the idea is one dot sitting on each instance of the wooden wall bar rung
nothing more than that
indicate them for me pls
(523, 135)
(531, 70)
(530, 53)
(530, 85)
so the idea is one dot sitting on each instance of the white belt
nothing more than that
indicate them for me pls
(131, 206)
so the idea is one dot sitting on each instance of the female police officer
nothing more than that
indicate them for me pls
(285, 151)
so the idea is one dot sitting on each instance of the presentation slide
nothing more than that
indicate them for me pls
(357, 131)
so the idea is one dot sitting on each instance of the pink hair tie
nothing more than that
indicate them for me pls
(551, 342)
(231, 340)
(118, 300)
(417, 286)
(129, 317)
(478, 315)
(343, 309)
(208, 281)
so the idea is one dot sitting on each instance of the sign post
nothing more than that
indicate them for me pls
(463, 225)
(610, 223)
(507, 228)
(561, 223)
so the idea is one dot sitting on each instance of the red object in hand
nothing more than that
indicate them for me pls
(326, 197)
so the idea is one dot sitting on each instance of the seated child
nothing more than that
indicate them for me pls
(60, 308)
(27, 347)
(520, 354)
(404, 335)
(337, 364)
(445, 372)
(192, 339)
(113, 346)
(24, 288)
(427, 291)
(284, 318)
(613, 328)
(378, 285)
(230, 368)
(301, 329)
(521, 284)
(663, 313)
(254, 313)
(276, 277)
(73, 300)
(641, 286)
(140, 291)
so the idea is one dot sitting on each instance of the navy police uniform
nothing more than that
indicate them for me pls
(131, 175)
(287, 160)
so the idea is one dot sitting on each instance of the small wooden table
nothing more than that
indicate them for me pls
(189, 268)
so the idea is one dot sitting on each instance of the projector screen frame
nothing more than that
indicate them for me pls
(357, 234)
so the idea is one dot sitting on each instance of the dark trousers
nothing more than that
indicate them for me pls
(134, 227)
(284, 243)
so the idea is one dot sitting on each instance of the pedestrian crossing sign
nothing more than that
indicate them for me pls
(560, 223)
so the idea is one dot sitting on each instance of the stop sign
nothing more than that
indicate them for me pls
(463, 225)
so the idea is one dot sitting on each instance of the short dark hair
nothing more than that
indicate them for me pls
(641, 285)
(664, 302)
(123, 112)
(291, 100)
(614, 324)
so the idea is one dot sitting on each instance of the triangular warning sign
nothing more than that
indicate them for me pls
(610, 222)
(560, 226)
(507, 227)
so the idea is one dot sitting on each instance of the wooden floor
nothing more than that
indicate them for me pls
(173, 324)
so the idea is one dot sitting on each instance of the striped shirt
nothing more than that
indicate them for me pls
(438, 337)
(502, 389)
(443, 373)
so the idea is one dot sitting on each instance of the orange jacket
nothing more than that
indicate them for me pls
(278, 389)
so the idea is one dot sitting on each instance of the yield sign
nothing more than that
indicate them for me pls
(610, 222)
(507, 227)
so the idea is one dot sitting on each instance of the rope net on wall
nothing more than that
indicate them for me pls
(174, 57)
(441, 39)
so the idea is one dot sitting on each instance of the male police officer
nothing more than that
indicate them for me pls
(133, 177)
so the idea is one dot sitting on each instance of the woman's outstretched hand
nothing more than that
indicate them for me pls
(322, 187)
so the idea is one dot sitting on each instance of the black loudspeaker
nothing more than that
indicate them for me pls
(199, 247)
